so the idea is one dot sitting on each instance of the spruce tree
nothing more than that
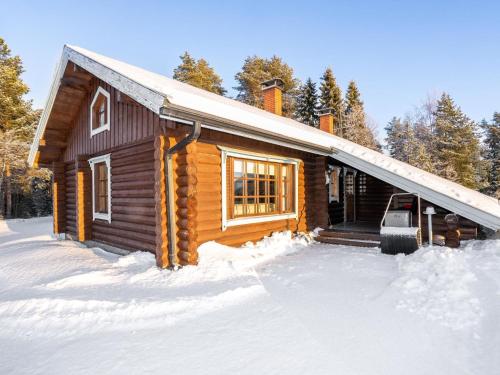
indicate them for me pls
(353, 97)
(355, 126)
(456, 145)
(307, 104)
(395, 138)
(198, 73)
(403, 144)
(256, 70)
(331, 96)
(492, 155)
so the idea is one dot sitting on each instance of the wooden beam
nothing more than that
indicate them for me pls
(83, 199)
(75, 80)
(74, 84)
(53, 142)
(54, 134)
(49, 149)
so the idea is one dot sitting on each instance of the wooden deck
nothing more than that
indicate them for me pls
(359, 234)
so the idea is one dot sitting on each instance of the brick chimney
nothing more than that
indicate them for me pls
(272, 92)
(326, 122)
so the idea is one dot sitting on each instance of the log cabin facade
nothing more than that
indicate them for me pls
(142, 162)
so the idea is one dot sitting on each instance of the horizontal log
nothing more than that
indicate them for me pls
(140, 219)
(134, 227)
(140, 211)
(140, 167)
(130, 177)
(138, 157)
(139, 193)
(126, 244)
(109, 230)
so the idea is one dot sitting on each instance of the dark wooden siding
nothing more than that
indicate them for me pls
(129, 123)
(70, 198)
(132, 224)
(371, 204)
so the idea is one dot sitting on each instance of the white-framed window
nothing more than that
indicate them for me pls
(99, 112)
(257, 187)
(101, 187)
(333, 181)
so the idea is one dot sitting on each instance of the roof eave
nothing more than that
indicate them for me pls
(42, 123)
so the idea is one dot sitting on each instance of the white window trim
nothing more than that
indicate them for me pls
(99, 159)
(228, 152)
(100, 129)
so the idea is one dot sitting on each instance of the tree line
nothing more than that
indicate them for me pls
(301, 101)
(439, 138)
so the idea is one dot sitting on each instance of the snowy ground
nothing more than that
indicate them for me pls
(281, 307)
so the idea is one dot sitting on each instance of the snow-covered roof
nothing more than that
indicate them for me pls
(154, 90)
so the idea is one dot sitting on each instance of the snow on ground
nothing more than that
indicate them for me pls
(283, 306)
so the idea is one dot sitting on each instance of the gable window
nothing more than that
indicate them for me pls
(257, 188)
(101, 187)
(99, 112)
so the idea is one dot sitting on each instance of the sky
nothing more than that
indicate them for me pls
(399, 52)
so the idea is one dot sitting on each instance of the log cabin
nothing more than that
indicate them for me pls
(144, 162)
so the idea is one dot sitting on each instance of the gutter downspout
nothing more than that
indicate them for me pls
(193, 136)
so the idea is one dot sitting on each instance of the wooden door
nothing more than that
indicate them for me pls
(349, 196)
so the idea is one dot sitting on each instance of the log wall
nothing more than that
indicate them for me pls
(209, 195)
(130, 141)
(132, 224)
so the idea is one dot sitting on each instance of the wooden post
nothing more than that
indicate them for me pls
(160, 202)
(59, 197)
(83, 198)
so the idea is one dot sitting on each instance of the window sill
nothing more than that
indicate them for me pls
(99, 130)
(105, 217)
(257, 219)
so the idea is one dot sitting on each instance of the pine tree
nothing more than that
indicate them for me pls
(17, 126)
(307, 104)
(492, 155)
(198, 73)
(12, 89)
(256, 70)
(331, 96)
(456, 145)
(355, 126)
(353, 97)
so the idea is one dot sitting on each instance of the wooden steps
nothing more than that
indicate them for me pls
(349, 238)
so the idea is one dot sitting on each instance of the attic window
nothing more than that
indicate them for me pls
(99, 112)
